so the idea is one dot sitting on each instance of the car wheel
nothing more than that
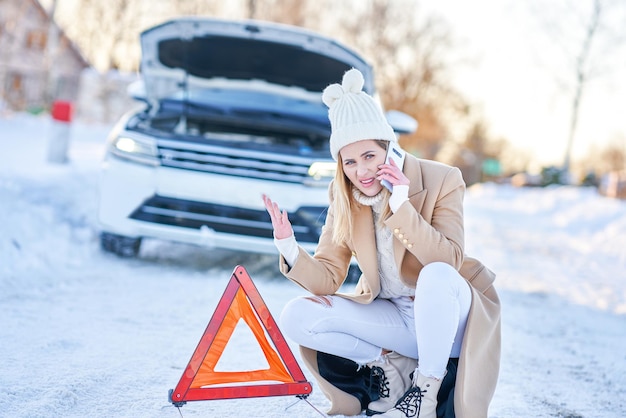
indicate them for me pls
(119, 244)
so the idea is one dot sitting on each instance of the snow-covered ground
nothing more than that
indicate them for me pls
(87, 334)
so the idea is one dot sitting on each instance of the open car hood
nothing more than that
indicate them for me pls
(189, 53)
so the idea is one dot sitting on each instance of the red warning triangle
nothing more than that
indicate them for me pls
(200, 381)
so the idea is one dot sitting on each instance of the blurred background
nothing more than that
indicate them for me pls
(531, 93)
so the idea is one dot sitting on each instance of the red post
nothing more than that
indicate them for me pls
(59, 132)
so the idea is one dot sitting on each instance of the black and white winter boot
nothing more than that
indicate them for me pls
(393, 373)
(420, 401)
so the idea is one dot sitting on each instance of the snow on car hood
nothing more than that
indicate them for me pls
(210, 53)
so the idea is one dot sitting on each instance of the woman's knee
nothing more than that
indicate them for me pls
(436, 274)
(290, 315)
(440, 278)
(297, 314)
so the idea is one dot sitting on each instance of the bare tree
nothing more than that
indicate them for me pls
(582, 74)
(411, 55)
(103, 29)
(588, 39)
(303, 13)
(108, 31)
(614, 156)
(197, 8)
(602, 159)
(251, 5)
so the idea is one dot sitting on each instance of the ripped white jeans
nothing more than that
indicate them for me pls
(429, 328)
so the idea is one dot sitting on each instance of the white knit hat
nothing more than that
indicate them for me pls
(354, 115)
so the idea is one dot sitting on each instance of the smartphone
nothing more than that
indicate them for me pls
(397, 154)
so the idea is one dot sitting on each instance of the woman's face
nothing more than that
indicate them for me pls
(360, 161)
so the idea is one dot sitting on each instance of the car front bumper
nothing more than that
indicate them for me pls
(212, 210)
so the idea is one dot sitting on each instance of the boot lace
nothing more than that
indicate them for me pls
(378, 375)
(410, 404)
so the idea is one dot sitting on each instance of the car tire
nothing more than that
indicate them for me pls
(120, 245)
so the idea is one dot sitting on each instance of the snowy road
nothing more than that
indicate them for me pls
(88, 334)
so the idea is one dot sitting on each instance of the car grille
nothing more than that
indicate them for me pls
(306, 221)
(233, 161)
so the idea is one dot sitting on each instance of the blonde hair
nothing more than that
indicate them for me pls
(344, 202)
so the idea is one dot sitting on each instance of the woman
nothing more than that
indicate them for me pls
(419, 301)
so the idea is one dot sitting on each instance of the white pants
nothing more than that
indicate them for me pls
(430, 328)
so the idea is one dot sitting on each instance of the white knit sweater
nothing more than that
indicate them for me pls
(390, 284)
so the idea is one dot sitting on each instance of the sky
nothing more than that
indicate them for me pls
(88, 334)
(516, 77)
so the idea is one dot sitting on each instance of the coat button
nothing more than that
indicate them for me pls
(353, 253)
(410, 246)
(400, 235)
(405, 241)
(396, 230)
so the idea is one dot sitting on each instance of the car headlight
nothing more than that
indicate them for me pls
(141, 151)
(321, 173)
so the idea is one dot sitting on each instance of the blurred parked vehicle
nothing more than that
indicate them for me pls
(232, 110)
(613, 184)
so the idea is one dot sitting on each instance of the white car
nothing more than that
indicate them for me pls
(232, 110)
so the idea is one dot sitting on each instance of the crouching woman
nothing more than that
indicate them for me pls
(422, 325)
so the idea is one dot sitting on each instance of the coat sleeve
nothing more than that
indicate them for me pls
(325, 271)
(434, 232)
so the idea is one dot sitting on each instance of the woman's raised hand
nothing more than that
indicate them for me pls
(280, 221)
(392, 173)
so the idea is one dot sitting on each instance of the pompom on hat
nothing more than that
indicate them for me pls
(354, 115)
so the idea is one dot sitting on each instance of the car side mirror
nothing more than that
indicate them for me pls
(401, 122)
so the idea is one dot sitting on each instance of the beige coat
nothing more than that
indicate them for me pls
(427, 228)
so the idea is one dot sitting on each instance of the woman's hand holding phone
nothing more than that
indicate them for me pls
(390, 174)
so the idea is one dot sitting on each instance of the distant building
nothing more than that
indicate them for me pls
(38, 63)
